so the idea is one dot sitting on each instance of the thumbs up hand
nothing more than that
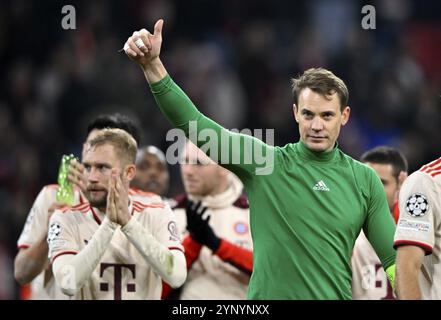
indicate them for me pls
(144, 47)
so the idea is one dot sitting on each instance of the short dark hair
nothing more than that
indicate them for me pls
(387, 155)
(323, 82)
(115, 121)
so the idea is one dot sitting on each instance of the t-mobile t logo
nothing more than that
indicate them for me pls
(117, 267)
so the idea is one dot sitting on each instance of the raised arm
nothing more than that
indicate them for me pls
(145, 48)
(242, 154)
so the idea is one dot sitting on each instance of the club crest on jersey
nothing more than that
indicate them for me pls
(240, 227)
(54, 232)
(417, 205)
(173, 229)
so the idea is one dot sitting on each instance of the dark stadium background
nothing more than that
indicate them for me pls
(233, 58)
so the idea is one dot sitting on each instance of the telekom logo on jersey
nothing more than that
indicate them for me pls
(117, 267)
(69, 278)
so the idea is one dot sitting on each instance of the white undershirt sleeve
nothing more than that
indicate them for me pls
(72, 271)
(169, 264)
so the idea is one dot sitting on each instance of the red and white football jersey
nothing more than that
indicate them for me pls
(43, 287)
(420, 223)
(369, 280)
(122, 272)
(210, 277)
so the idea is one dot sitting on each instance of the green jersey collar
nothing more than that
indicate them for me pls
(308, 154)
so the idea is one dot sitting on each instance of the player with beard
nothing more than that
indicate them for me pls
(32, 268)
(114, 247)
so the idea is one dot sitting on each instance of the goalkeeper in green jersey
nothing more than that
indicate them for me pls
(309, 204)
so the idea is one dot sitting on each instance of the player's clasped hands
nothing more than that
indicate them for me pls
(143, 47)
(117, 199)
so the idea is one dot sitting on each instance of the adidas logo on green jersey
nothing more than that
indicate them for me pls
(321, 186)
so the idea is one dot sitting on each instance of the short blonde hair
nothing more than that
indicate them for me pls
(124, 144)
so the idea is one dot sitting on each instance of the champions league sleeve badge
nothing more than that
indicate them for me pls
(54, 232)
(417, 205)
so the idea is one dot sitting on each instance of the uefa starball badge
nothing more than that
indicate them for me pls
(65, 193)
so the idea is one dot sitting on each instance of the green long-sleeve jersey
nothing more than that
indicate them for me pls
(306, 208)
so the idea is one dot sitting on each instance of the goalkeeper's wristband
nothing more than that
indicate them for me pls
(390, 272)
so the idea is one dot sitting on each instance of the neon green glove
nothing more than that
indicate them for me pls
(65, 192)
(390, 272)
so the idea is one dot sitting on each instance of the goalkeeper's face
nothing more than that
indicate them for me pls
(98, 162)
(320, 119)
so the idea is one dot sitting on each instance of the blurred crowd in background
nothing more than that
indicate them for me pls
(233, 58)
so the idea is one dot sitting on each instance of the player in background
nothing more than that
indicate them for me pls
(308, 200)
(114, 247)
(31, 263)
(369, 281)
(213, 218)
(151, 171)
(418, 235)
